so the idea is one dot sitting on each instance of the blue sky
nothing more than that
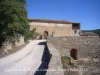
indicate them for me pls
(86, 12)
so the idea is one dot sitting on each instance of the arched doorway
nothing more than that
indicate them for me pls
(45, 34)
(73, 54)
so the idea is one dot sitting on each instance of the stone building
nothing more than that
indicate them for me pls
(73, 42)
(56, 28)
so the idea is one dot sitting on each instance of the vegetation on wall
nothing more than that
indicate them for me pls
(33, 34)
(65, 61)
(40, 37)
(13, 20)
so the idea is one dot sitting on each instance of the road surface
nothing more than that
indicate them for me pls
(24, 62)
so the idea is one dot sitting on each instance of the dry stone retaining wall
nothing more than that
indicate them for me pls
(86, 47)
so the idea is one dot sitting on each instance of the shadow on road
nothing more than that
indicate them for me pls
(42, 43)
(45, 60)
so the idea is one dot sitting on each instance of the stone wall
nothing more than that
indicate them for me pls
(7, 45)
(86, 47)
(20, 42)
(54, 29)
(55, 65)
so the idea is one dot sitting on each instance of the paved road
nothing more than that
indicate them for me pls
(24, 62)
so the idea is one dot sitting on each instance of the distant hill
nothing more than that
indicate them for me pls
(97, 31)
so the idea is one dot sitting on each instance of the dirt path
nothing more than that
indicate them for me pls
(24, 62)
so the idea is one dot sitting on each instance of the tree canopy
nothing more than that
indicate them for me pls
(13, 19)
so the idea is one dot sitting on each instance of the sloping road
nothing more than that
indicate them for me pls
(24, 62)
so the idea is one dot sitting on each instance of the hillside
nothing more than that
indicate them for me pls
(97, 31)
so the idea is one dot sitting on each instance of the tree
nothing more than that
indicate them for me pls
(13, 19)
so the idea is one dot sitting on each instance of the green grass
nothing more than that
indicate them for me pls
(65, 61)
(65, 57)
(64, 66)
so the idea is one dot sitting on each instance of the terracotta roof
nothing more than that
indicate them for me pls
(51, 21)
(88, 34)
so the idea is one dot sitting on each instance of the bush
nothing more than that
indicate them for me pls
(40, 37)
